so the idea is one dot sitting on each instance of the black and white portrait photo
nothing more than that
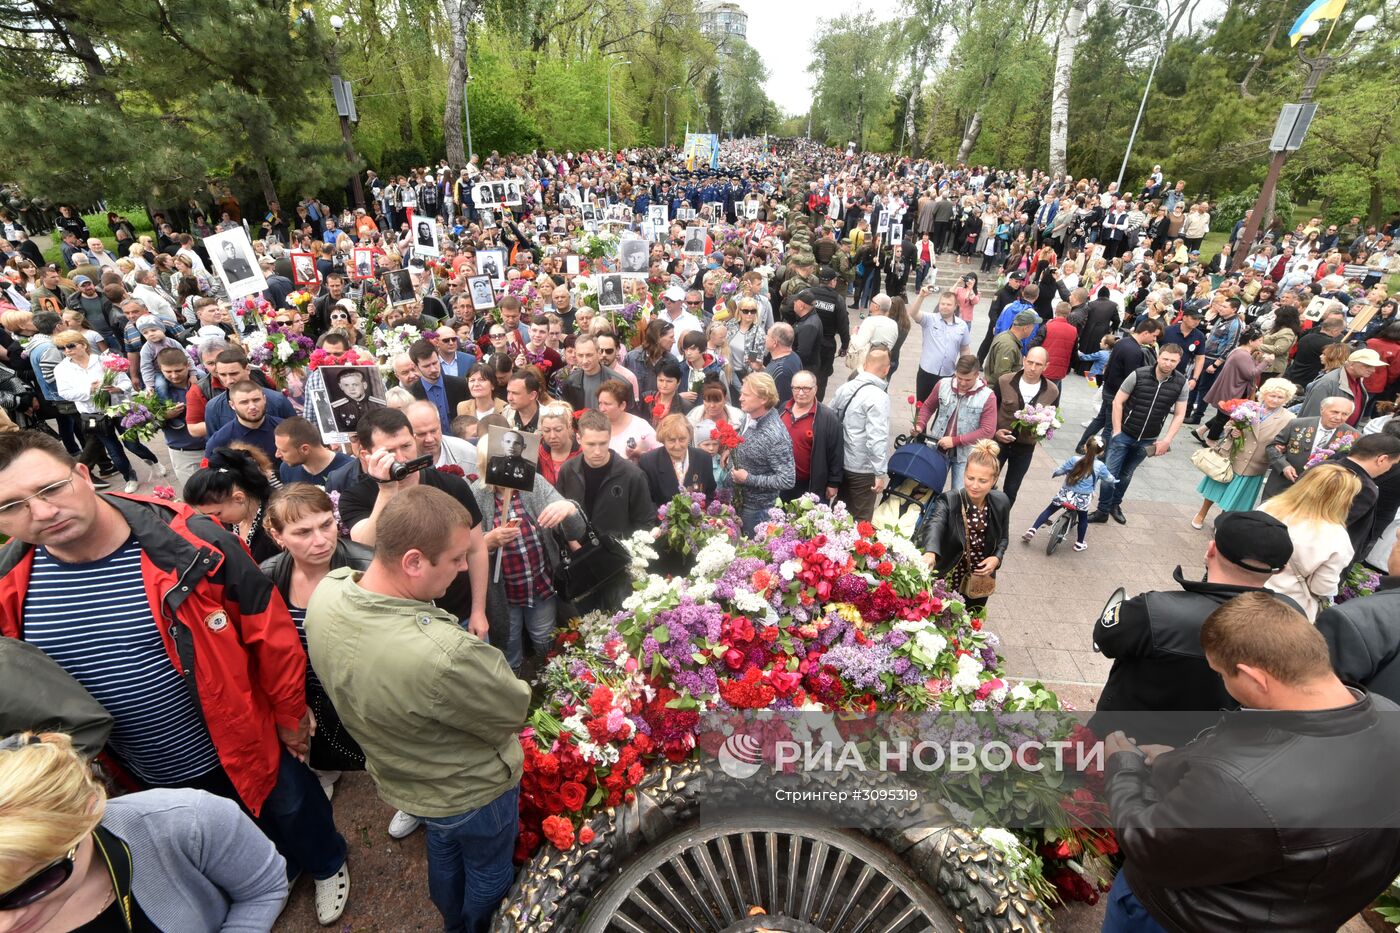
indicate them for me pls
(610, 296)
(482, 292)
(694, 241)
(487, 218)
(633, 256)
(236, 263)
(498, 192)
(492, 262)
(896, 233)
(363, 267)
(685, 212)
(398, 286)
(425, 237)
(513, 192)
(588, 212)
(656, 216)
(751, 209)
(512, 457)
(481, 194)
(304, 269)
(353, 391)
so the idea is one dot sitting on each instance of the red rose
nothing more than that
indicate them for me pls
(452, 470)
(573, 794)
(912, 400)
(586, 835)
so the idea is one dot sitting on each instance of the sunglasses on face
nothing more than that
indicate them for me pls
(340, 316)
(40, 884)
(496, 333)
(448, 339)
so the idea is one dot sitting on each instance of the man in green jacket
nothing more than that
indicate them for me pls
(436, 709)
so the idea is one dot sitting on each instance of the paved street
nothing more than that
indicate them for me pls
(1044, 608)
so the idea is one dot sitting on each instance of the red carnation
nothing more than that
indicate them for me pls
(452, 470)
(559, 831)
(884, 568)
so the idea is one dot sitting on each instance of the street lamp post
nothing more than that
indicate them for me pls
(903, 119)
(1316, 65)
(610, 68)
(340, 90)
(1156, 57)
(666, 115)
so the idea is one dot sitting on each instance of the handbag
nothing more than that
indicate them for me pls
(599, 561)
(977, 585)
(1214, 464)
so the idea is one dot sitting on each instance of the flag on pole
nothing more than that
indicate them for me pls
(1316, 11)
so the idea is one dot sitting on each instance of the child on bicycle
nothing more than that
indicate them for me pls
(1080, 473)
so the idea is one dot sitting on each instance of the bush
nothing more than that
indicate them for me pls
(1230, 209)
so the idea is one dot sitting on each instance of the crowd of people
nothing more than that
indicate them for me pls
(295, 607)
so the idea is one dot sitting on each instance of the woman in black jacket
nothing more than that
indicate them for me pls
(302, 521)
(677, 457)
(967, 532)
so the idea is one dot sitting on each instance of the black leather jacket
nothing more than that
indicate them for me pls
(1364, 638)
(943, 534)
(1273, 820)
(278, 567)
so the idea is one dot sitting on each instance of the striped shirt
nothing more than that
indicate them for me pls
(94, 620)
(298, 614)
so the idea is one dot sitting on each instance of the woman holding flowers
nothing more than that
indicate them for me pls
(762, 466)
(965, 538)
(1249, 442)
(1241, 372)
(89, 381)
(1315, 510)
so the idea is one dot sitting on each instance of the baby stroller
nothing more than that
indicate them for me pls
(917, 473)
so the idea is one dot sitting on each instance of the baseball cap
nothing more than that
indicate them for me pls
(1254, 540)
(81, 280)
(826, 273)
(674, 293)
(1023, 318)
(1017, 274)
(1366, 357)
(805, 296)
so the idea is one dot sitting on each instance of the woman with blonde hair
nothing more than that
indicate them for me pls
(1251, 462)
(174, 859)
(1315, 510)
(965, 538)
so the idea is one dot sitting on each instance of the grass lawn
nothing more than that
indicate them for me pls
(97, 226)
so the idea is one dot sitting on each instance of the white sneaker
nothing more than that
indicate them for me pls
(328, 779)
(131, 486)
(331, 896)
(159, 469)
(403, 825)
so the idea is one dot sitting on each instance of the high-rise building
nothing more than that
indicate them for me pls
(720, 19)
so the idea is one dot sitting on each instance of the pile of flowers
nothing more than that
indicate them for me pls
(1333, 449)
(815, 612)
(1244, 417)
(351, 357)
(688, 520)
(1038, 422)
(389, 343)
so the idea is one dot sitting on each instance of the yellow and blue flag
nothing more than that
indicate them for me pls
(1317, 10)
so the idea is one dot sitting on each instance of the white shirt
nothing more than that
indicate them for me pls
(1028, 391)
(683, 324)
(155, 302)
(75, 382)
(453, 451)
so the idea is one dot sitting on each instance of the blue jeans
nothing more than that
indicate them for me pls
(1124, 456)
(955, 472)
(469, 862)
(297, 817)
(750, 516)
(1125, 912)
(538, 621)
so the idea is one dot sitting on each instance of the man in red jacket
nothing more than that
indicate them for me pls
(163, 616)
(1060, 339)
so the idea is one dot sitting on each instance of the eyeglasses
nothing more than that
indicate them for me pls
(40, 884)
(804, 388)
(695, 304)
(9, 509)
(497, 333)
(448, 339)
(607, 351)
(748, 310)
(340, 316)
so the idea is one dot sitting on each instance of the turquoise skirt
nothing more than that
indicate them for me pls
(1238, 495)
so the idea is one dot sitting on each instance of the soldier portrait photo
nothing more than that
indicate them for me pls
(511, 457)
(354, 391)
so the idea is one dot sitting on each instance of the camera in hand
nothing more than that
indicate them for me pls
(401, 471)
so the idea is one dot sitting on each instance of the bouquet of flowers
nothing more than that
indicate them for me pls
(726, 435)
(1330, 451)
(139, 415)
(1244, 416)
(689, 520)
(113, 365)
(351, 357)
(1359, 581)
(300, 299)
(1038, 422)
(279, 349)
(624, 322)
(388, 344)
(595, 246)
(522, 289)
(253, 311)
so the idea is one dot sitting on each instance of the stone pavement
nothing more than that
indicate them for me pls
(1044, 608)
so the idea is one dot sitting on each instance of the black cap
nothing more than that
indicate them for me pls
(805, 296)
(1256, 541)
(826, 273)
(1017, 274)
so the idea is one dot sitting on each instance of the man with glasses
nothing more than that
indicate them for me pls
(319, 322)
(114, 589)
(454, 363)
(817, 448)
(607, 350)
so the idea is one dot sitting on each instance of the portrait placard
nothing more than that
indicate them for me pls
(512, 457)
(236, 263)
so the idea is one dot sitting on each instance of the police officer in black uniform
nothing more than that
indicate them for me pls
(1154, 639)
(830, 306)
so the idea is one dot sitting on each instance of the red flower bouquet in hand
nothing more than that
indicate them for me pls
(726, 435)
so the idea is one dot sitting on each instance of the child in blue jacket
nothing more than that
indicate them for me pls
(1081, 474)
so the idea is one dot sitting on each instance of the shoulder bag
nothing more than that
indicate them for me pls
(977, 585)
(1214, 464)
(598, 562)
